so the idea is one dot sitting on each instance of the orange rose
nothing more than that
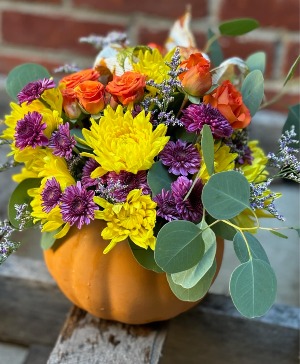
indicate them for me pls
(91, 96)
(196, 80)
(228, 100)
(70, 103)
(76, 78)
(127, 88)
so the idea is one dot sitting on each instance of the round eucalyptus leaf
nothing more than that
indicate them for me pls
(190, 277)
(238, 26)
(253, 288)
(145, 257)
(253, 90)
(255, 248)
(179, 246)
(48, 239)
(196, 292)
(257, 61)
(21, 75)
(159, 178)
(226, 194)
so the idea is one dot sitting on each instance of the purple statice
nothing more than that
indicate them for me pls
(196, 116)
(51, 194)
(62, 142)
(77, 205)
(166, 206)
(86, 179)
(190, 208)
(29, 131)
(238, 143)
(181, 157)
(33, 90)
(116, 186)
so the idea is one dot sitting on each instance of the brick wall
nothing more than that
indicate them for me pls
(47, 31)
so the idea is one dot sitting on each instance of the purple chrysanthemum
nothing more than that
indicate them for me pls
(29, 131)
(88, 168)
(116, 187)
(196, 116)
(181, 158)
(34, 90)
(51, 194)
(77, 205)
(190, 209)
(166, 206)
(62, 142)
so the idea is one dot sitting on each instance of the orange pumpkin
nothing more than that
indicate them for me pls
(113, 286)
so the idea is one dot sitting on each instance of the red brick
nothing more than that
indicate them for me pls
(291, 53)
(242, 47)
(270, 13)
(164, 8)
(40, 2)
(284, 102)
(51, 32)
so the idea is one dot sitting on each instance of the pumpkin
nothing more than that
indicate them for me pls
(112, 286)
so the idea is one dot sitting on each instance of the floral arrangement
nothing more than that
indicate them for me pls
(154, 141)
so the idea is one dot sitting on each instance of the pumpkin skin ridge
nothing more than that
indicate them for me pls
(105, 285)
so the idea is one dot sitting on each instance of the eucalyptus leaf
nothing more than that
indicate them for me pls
(293, 119)
(159, 178)
(256, 250)
(221, 229)
(21, 75)
(253, 288)
(194, 99)
(238, 26)
(48, 239)
(198, 291)
(215, 51)
(190, 277)
(226, 194)
(280, 235)
(19, 197)
(77, 133)
(145, 257)
(207, 148)
(257, 61)
(179, 246)
(291, 71)
(253, 90)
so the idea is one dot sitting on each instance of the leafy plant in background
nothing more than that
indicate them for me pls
(153, 139)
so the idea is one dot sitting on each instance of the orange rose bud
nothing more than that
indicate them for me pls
(129, 87)
(91, 96)
(70, 103)
(76, 78)
(196, 80)
(228, 100)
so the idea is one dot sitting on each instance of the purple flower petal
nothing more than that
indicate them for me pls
(34, 90)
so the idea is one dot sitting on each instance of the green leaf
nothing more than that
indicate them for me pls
(207, 148)
(159, 178)
(19, 197)
(48, 239)
(221, 229)
(190, 277)
(280, 235)
(291, 71)
(215, 51)
(77, 133)
(21, 75)
(145, 257)
(182, 134)
(226, 194)
(253, 288)
(179, 246)
(236, 27)
(257, 61)
(256, 250)
(253, 90)
(293, 118)
(194, 99)
(198, 291)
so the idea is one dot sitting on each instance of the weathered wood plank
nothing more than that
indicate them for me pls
(86, 339)
(32, 307)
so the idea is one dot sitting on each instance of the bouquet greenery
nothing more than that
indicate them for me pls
(153, 140)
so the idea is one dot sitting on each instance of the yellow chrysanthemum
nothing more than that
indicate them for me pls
(135, 218)
(53, 97)
(256, 171)
(121, 142)
(223, 161)
(153, 65)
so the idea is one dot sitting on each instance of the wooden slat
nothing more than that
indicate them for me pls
(86, 339)
(32, 307)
